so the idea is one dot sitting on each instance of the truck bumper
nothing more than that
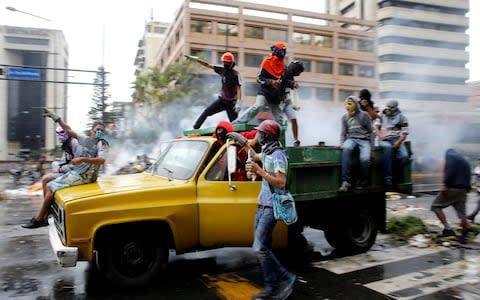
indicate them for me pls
(66, 256)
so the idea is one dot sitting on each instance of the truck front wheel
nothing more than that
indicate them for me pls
(356, 234)
(132, 259)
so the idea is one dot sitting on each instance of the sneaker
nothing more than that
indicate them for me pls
(362, 184)
(35, 224)
(265, 293)
(285, 287)
(447, 233)
(471, 217)
(296, 143)
(344, 187)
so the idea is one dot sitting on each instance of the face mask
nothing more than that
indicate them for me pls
(279, 52)
(228, 65)
(261, 138)
(390, 111)
(98, 134)
(350, 107)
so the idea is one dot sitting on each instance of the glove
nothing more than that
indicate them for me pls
(47, 113)
(237, 108)
(237, 137)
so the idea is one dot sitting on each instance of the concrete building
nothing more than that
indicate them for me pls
(32, 60)
(421, 50)
(149, 44)
(339, 60)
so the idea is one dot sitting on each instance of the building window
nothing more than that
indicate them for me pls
(302, 38)
(346, 43)
(26, 41)
(227, 29)
(305, 92)
(160, 30)
(343, 94)
(366, 71)
(324, 94)
(202, 53)
(253, 60)
(323, 41)
(201, 26)
(253, 32)
(345, 69)
(250, 89)
(325, 67)
(365, 45)
(278, 35)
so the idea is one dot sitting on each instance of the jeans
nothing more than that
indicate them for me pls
(389, 154)
(216, 107)
(252, 111)
(273, 270)
(347, 150)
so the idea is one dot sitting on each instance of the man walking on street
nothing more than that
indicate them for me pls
(456, 184)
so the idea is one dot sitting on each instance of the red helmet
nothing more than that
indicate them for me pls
(228, 57)
(226, 125)
(271, 128)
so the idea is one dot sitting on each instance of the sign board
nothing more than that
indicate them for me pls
(23, 73)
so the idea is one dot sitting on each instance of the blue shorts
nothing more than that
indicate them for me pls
(68, 179)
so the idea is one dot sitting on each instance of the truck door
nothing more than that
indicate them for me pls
(226, 215)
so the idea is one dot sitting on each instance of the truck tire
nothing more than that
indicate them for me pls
(354, 235)
(132, 259)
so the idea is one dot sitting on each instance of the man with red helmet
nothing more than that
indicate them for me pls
(230, 93)
(278, 281)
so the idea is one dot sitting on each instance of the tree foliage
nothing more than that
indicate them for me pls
(99, 104)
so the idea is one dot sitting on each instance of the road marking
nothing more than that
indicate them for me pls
(374, 258)
(230, 286)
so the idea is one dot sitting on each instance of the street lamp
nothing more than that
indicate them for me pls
(27, 13)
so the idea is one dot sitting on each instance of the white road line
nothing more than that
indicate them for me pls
(374, 258)
(431, 280)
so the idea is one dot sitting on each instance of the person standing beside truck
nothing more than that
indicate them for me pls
(456, 184)
(279, 282)
(356, 132)
(86, 166)
(231, 91)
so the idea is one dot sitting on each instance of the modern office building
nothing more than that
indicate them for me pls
(149, 45)
(31, 60)
(421, 50)
(338, 53)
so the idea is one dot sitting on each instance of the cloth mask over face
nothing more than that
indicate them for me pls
(350, 106)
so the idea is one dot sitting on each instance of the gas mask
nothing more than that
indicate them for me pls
(228, 65)
(279, 52)
(350, 106)
(390, 111)
(61, 135)
(99, 134)
(261, 137)
(221, 134)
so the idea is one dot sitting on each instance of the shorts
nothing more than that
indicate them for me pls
(456, 198)
(68, 179)
(289, 111)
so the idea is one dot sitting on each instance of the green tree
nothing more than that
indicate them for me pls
(99, 99)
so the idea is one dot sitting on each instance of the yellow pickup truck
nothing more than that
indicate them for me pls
(127, 224)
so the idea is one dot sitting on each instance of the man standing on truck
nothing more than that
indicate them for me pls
(86, 166)
(356, 132)
(456, 184)
(231, 89)
(278, 281)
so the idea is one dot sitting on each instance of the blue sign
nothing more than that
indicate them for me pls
(23, 73)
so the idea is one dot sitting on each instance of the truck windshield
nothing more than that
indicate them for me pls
(179, 159)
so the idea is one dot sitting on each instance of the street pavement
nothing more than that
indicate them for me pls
(390, 270)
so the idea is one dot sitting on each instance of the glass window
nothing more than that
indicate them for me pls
(160, 29)
(254, 32)
(343, 94)
(305, 92)
(253, 60)
(323, 41)
(227, 29)
(202, 53)
(201, 26)
(324, 94)
(278, 35)
(365, 45)
(325, 67)
(346, 43)
(366, 71)
(302, 38)
(345, 69)
(250, 89)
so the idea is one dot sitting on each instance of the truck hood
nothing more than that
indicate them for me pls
(117, 184)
